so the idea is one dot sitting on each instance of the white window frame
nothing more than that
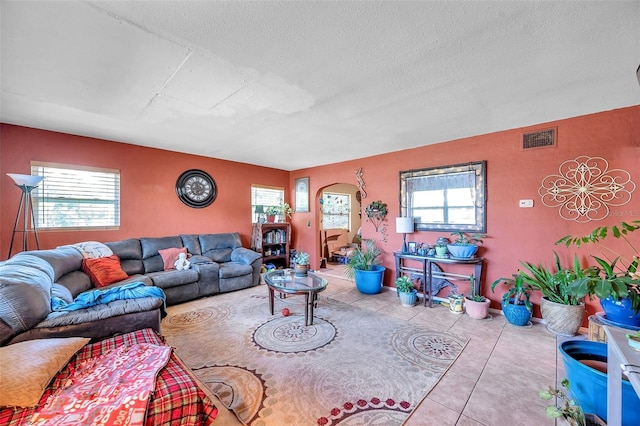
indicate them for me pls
(344, 213)
(265, 196)
(76, 197)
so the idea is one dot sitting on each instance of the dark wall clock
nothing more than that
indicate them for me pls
(196, 188)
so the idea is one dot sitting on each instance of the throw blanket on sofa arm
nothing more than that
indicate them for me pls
(87, 299)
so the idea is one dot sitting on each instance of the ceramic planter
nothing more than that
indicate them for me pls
(408, 299)
(369, 282)
(518, 315)
(620, 311)
(300, 270)
(462, 251)
(441, 251)
(456, 303)
(564, 320)
(589, 384)
(477, 310)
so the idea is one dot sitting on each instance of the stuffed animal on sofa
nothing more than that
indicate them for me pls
(182, 262)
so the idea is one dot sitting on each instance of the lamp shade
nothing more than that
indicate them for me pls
(28, 180)
(404, 225)
(259, 208)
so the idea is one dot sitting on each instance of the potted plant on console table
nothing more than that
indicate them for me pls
(464, 246)
(364, 268)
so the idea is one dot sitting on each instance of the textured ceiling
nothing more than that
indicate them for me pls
(298, 84)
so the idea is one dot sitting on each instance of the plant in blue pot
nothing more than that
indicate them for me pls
(516, 306)
(406, 291)
(464, 245)
(364, 268)
(617, 282)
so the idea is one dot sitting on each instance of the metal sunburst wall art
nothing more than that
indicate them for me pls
(585, 189)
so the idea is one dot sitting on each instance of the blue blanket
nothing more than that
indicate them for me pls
(87, 299)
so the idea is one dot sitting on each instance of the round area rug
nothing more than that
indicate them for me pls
(424, 347)
(290, 335)
(195, 320)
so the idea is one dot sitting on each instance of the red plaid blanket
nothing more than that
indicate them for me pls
(177, 399)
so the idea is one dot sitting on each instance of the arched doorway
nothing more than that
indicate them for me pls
(339, 219)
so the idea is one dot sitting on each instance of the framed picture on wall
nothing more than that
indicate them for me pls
(302, 195)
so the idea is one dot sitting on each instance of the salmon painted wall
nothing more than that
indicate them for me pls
(149, 205)
(514, 233)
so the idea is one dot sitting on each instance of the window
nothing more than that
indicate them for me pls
(76, 197)
(264, 196)
(450, 198)
(335, 210)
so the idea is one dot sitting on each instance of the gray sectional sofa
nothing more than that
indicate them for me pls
(29, 279)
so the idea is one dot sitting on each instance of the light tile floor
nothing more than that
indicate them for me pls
(496, 379)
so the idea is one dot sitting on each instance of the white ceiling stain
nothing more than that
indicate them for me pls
(256, 81)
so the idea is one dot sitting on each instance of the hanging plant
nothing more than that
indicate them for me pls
(376, 212)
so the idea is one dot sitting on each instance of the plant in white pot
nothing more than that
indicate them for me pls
(301, 263)
(464, 245)
(477, 306)
(406, 291)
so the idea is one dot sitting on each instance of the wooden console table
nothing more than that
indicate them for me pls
(427, 276)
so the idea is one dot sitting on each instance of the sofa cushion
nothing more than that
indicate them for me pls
(130, 253)
(24, 293)
(166, 279)
(104, 270)
(63, 259)
(30, 261)
(26, 368)
(170, 255)
(150, 251)
(218, 247)
(76, 282)
(6, 332)
(192, 243)
(61, 292)
(234, 269)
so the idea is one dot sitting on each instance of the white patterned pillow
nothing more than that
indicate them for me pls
(93, 249)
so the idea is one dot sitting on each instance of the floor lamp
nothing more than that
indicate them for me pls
(26, 183)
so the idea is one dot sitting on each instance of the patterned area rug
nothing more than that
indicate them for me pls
(351, 367)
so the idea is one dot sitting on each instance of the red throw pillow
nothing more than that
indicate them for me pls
(170, 255)
(104, 270)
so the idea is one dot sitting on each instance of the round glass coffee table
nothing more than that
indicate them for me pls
(285, 282)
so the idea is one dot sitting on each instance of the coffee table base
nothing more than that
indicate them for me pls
(310, 301)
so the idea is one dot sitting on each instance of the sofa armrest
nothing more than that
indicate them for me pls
(244, 255)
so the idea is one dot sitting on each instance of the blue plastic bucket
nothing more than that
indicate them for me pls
(589, 386)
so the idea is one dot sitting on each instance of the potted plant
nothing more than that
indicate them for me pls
(567, 408)
(562, 310)
(465, 245)
(364, 268)
(515, 302)
(617, 282)
(284, 209)
(477, 306)
(301, 264)
(441, 249)
(406, 291)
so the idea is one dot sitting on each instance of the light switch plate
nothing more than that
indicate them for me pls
(526, 203)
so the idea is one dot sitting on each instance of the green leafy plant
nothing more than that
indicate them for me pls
(283, 209)
(404, 284)
(558, 285)
(363, 258)
(376, 209)
(301, 258)
(617, 274)
(566, 407)
(519, 290)
(476, 297)
(465, 239)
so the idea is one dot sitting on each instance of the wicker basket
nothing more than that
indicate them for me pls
(596, 332)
